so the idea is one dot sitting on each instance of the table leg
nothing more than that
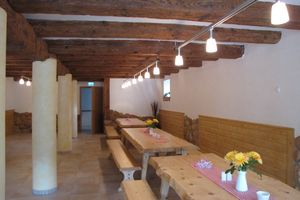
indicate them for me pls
(164, 189)
(183, 152)
(145, 165)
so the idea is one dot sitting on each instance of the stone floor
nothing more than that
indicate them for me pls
(86, 173)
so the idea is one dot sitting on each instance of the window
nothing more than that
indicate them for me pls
(167, 89)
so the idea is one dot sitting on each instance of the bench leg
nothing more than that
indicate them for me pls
(164, 189)
(127, 175)
(181, 152)
(145, 165)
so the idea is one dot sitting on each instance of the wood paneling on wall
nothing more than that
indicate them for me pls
(9, 122)
(172, 122)
(275, 144)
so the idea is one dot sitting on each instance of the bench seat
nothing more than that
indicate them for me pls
(111, 133)
(137, 190)
(123, 159)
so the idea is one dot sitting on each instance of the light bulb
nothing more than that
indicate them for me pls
(21, 81)
(147, 74)
(134, 81)
(178, 59)
(28, 83)
(156, 70)
(280, 14)
(140, 78)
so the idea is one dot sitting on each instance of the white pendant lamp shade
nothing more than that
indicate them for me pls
(178, 59)
(28, 83)
(140, 78)
(128, 83)
(147, 74)
(21, 81)
(211, 43)
(134, 81)
(156, 70)
(280, 14)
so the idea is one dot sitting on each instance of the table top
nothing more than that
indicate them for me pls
(144, 142)
(130, 123)
(191, 184)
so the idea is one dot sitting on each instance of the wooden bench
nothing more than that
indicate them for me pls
(111, 133)
(137, 190)
(123, 159)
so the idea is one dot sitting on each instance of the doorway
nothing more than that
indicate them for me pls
(91, 109)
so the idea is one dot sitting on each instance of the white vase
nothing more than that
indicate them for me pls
(151, 131)
(241, 182)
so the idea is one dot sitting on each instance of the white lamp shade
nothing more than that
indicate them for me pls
(28, 83)
(140, 78)
(128, 83)
(178, 60)
(21, 81)
(134, 81)
(123, 86)
(147, 75)
(211, 45)
(156, 70)
(280, 14)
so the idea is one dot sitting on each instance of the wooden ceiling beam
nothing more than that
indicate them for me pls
(141, 48)
(21, 38)
(88, 29)
(207, 11)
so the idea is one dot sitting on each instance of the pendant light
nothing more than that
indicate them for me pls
(211, 44)
(134, 81)
(156, 70)
(178, 59)
(21, 81)
(140, 78)
(280, 14)
(147, 74)
(28, 83)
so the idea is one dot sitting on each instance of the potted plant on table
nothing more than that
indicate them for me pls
(242, 162)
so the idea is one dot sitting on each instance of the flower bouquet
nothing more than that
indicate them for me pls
(242, 162)
(152, 125)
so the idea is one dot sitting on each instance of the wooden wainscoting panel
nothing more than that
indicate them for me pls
(9, 122)
(172, 122)
(274, 143)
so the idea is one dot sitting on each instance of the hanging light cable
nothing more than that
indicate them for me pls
(211, 44)
(279, 14)
(156, 70)
(178, 59)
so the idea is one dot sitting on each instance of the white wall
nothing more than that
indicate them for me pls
(18, 97)
(135, 99)
(246, 88)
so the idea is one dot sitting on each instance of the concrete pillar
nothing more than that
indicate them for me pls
(2, 100)
(44, 151)
(65, 113)
(74, 109)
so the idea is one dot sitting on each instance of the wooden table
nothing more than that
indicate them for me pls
(177, 172)
(130, 123)
(149, 146)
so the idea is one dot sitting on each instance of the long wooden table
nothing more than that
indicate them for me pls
(149, 146)
(130, 123)
(177, 172)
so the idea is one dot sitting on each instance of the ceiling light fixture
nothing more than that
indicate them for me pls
(156, 70)
(28, 83)
(140, 78)
(21, 81)
(147, 74)
(279, 14)
(178, 59)
(134, 80)
(211, 44)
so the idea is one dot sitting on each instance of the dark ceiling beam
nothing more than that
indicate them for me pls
(144, 48)
(21, 38)
(87, 29)
(207, 11)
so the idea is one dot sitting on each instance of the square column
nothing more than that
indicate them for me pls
(75, 109)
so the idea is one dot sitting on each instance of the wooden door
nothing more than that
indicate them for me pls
(97, 110)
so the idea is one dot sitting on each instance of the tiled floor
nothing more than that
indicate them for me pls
(86, 173)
